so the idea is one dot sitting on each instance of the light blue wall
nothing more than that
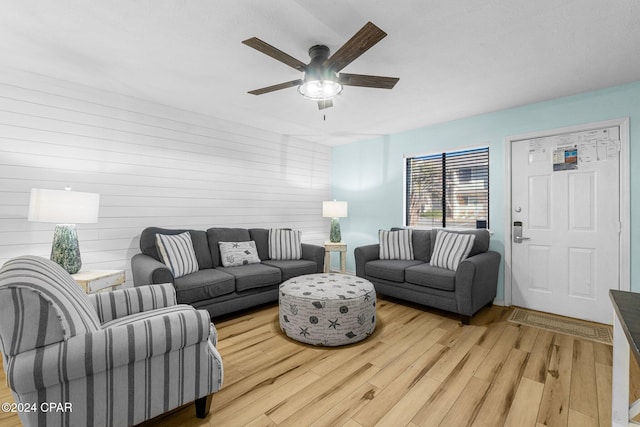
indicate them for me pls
(369, 174)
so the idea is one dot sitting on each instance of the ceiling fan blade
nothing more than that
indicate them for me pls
(275, 53)
(325, 103)
(273, 88)
(362, 41)
(367, 81)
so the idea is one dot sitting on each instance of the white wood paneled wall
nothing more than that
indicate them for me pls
(153, 165)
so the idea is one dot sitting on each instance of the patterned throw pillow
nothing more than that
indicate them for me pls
(396, 244)
(285, 244)
(177, 253)
(450, 249)
(234, 254)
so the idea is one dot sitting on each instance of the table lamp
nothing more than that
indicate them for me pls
(334, 210)
(65, 209)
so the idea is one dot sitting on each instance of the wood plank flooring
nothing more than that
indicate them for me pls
(419, 368)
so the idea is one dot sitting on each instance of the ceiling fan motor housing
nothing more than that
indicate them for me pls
(315, 70)
(318, 53)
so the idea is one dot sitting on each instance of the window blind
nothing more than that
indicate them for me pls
(448, 189)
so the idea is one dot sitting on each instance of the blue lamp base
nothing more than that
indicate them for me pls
(65, 249)
(334, 235)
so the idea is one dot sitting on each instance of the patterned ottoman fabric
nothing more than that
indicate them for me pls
(327, 309)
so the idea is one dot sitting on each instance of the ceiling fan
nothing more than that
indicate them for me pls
(322, 78)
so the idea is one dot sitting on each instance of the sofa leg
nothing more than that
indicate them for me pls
(202, 406)
(465, 319)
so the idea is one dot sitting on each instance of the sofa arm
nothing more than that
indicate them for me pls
(123, 302)
(314, 253)
(122, 344)
(477, 282)
(147, 270)
(364, 254)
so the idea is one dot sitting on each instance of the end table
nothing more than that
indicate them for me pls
(99, 280)
(335, 247)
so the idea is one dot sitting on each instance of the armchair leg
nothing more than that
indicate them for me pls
(465, 319)
(202, 406)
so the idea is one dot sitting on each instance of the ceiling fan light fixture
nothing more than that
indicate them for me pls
(319, 90)
(321, 82)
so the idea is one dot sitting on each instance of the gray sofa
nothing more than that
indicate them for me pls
(464, 291)
(218, 289)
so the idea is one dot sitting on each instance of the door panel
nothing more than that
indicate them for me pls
(566, 193)
(539, 202)
(581, 201)
(538, 271)
(581, 272)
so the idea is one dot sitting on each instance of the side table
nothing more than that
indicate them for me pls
(99, 280)
(335, 247)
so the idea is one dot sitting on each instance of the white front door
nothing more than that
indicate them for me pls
(565, 193)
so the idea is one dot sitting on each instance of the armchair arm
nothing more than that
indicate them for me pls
(477, 281)
(123, 302)
(147, 270)
(124, 342)
(314, 253)
(364, 254)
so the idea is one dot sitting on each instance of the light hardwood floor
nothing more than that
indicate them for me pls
(420, 368)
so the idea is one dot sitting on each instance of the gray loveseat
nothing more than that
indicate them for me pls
(218, 289)
(464, 291)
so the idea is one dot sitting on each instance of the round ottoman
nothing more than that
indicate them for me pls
(327, 308)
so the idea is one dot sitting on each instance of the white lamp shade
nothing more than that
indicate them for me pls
(63, 207)
(334, 209)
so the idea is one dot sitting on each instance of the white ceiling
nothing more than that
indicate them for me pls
(454, 58)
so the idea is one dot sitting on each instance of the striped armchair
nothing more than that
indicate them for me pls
(109, 359)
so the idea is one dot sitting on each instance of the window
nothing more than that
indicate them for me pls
(447, 189)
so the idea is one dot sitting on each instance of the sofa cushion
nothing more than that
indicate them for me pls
(261, 237)
(285, 244)
(254, 276)
(480, 244)
(233, 254)
(421, 245)
(450, 249)
(431, 277)
(198, 238)
(386, 269)
(177, 253)
(395, 244)
(223, 234)
(202, 285)
(293, 268)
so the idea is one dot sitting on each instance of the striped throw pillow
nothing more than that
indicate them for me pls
(450, 249)
(396, 244)
(285, 244)
(177, 253)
